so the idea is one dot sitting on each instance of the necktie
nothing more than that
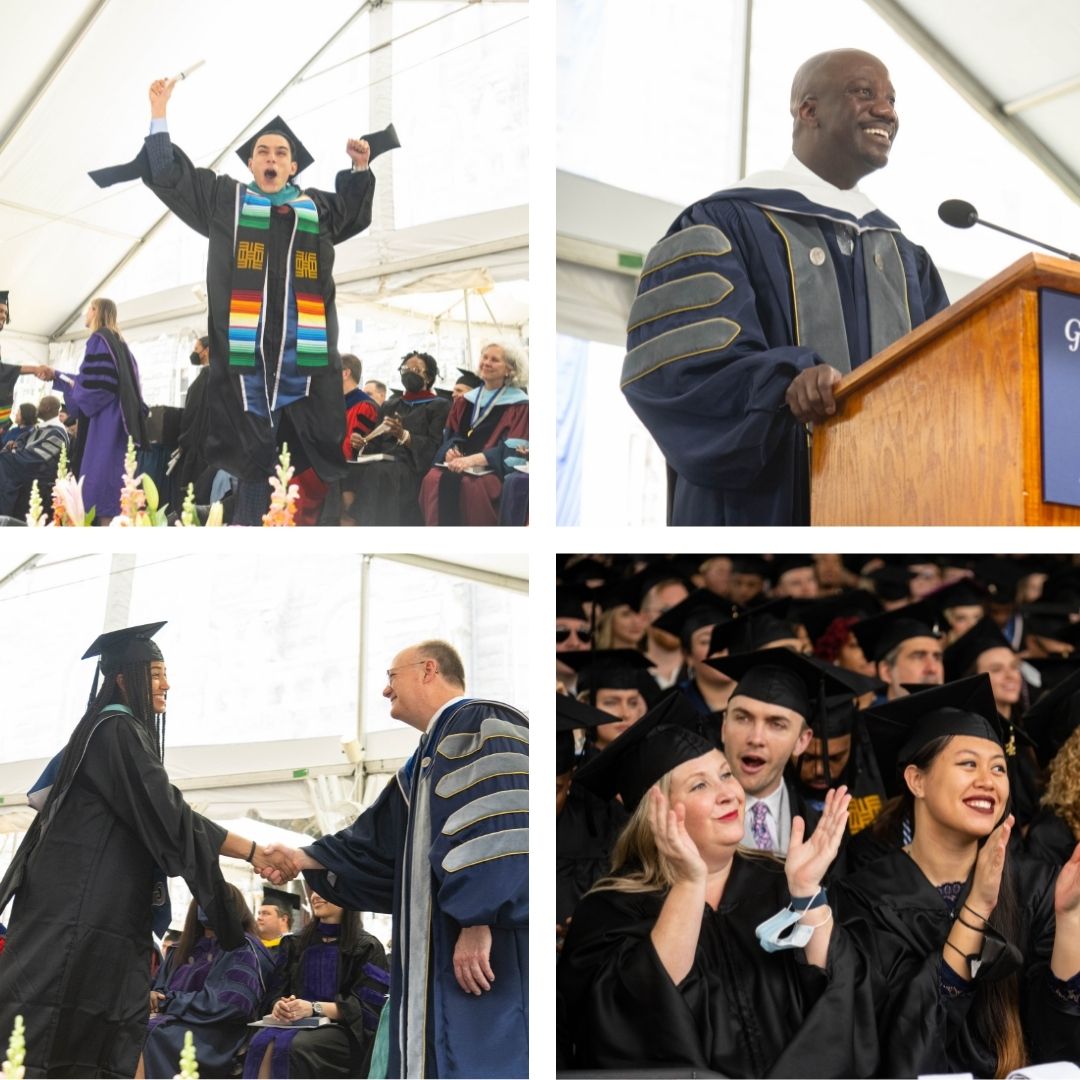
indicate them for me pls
(760, 831)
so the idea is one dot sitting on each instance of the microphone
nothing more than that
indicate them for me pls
(962, 215)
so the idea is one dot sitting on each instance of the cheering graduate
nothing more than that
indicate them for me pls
(762, 295)
(211, 992)
(334, 969)
(663, 966)
(77, 962)
(275, 371)
(485, 431)
(977, 970)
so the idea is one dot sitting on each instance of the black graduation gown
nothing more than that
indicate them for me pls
(585, 833)
(343, 1048)
(194, 425)
(740, 1012)
(1050, 839)
(77, 960)
(901, 921)
(387, 490)
(240, 442)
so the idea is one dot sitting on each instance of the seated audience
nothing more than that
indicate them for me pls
(37, 460)
(484, 430)
(16, 435)
(204, 989)
(334, 969)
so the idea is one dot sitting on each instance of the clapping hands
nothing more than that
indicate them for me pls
(668, 825)
(808, 860)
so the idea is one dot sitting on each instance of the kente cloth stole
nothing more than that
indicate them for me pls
(249, 282)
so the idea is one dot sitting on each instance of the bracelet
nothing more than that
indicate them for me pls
(251, 854)
(972, 960)
(808, 903)
(977, 929)
(984, 918)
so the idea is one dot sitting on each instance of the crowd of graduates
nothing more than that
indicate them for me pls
(818, 815)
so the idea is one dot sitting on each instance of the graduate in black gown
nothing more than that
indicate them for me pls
(77, 960)
(662, 967)
(586, 826)
(972, 975)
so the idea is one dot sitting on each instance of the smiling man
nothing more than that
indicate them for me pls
(763, 295)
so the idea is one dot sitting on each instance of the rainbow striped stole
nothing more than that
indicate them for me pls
(249, 281)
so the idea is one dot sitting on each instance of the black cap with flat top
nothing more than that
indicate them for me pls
(664, 738)
(127, 646)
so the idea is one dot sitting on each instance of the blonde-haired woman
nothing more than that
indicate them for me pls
(679, 959)
(106, 398)
(486, 437)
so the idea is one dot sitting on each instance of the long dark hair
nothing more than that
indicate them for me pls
(351, 927)
(996, 1008)
(194, 928)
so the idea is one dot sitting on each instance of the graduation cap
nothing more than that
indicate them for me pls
(783, 563)
(906, 725)
(967, 592)
(570, 715)
(960, 657)
(281, 899)
(379, 142)
(785, 678)
(880, 634)
(569, 603)
(664, 738)
(128, 646)
(750, 564)
(891, 582)
(1056, 713)
(468, 378)
(1001, 576)
(613, 669)
(700, 608)
(818, 615)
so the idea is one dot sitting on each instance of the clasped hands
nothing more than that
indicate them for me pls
(456, 461)
(292, 1008)
(277, 863)
(45, 373)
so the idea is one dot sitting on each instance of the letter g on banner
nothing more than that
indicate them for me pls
(1072, 334)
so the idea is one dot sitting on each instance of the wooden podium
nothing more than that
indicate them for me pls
(944, 427)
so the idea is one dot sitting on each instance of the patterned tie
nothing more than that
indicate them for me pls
(758, 829)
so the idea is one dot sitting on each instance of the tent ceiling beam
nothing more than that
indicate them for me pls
(977, 95)
(126, 258)
(486, 577)
(441, 258)
(52, 72)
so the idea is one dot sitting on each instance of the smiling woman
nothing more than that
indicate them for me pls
(944, 919)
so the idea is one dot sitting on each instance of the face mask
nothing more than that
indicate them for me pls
(412, 381)
(196, 359)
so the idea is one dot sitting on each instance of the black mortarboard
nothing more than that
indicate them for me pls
(1001, 576)
(127, 646)
(765, 623)
(661, 740)
(6, 302)
(891, 582)
(783, 563)
(280, 898)
(570, 715)
(568, 603)
(468, 378)
(750, 564)
(1063, 587)
(904, 726)
(277, 126)
(782, 677)
(614, 669)
(1056, 712)
(818, 615)
(961, 655)
(381, 142)
(880, 634)
(967, 592)
(700, 608)
(626, 591)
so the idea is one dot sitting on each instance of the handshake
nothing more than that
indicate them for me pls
(44, 372)
(278, 864)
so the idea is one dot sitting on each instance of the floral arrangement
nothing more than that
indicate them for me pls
(284, 494)
(189, 1067)
(13, 1068)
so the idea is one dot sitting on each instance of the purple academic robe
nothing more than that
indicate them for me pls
(94, 394)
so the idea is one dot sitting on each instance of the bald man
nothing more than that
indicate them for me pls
(763, 295)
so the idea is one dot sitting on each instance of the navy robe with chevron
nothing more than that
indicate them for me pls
(735, 454)
(445, 846)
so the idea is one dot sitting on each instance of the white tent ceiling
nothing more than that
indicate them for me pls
(76, 74)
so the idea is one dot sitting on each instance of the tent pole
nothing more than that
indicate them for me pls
(468, 328)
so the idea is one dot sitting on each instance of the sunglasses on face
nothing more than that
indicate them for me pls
(562, 635)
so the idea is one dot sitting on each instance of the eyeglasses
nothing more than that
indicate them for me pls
(563, 635)
(390, 674)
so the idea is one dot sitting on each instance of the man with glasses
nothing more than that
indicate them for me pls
(445, 849)
(572, 634)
